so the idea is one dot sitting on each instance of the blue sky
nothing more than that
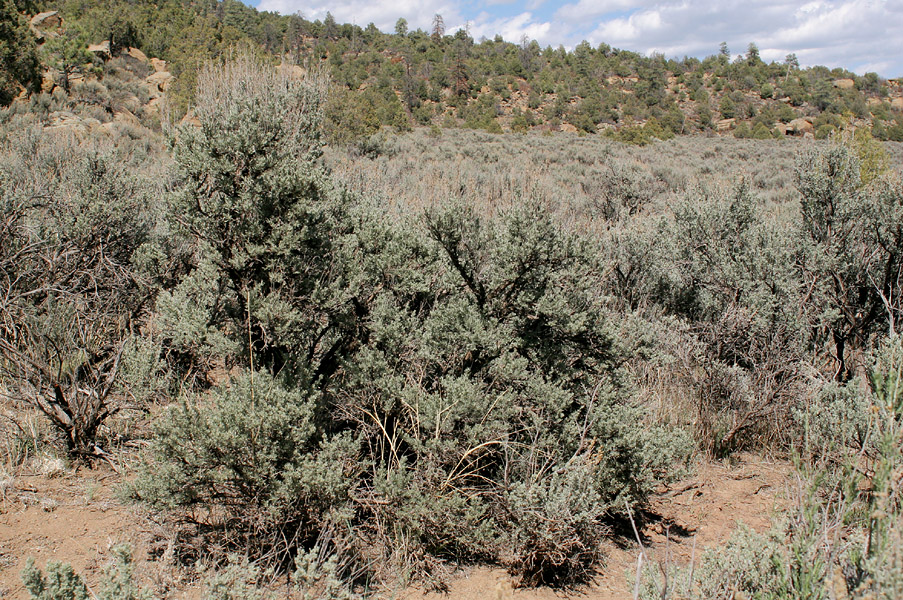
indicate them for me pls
(860, 35)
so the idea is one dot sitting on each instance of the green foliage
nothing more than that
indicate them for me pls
(255, 453)
(851, 238)
(118, 578)
(60, 583)
(264, 215)
(451, 386)
(19, 64)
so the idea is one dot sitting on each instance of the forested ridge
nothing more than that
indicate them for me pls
(416, 77)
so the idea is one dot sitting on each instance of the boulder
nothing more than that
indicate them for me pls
(45, 24)
(158, 65)
(801, 127)
(137, 55)
(190, 119)
(154, 106)
(844, 84)
(725, 124)
(292, 71)
(568, 127)
(127, 118)
(160, 80)
(49, 80)
(47, 20)
(102, 49)
(63, 120)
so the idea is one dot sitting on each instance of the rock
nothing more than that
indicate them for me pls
(725, 124)
(127, 118)
(47, 20)
(896, 104)
(48, 80)
(292, 71)
(783, 129)
(63, 120)
(159, 80)
(137, 55)
(153, 107)
(102, 49)
(44, 24)
(568, 127)
(801, 127)
(190, 119)
(158, 65)
(844, 84)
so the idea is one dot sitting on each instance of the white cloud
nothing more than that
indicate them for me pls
(583, 10)
(512, 29)
(362, 12)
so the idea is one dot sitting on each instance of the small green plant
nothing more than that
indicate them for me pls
(60, 583)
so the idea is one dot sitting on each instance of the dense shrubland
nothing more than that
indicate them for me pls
(360, 369)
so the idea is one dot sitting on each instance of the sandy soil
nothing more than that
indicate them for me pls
(77, 518)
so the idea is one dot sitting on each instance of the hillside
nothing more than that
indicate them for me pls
(412, 78)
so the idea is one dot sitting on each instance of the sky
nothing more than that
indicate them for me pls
(859, 35)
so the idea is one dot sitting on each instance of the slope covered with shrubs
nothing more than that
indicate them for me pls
(415, 77)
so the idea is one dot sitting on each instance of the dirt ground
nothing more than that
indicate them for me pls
(49, 513)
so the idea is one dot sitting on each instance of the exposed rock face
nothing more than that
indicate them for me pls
(725, 124)
(897, 104)
(158, 65)
(190, 119)
(102, 49)
(137, 55)
(63, 120)
(292, 71)
(844, 84)
(45, 24)
(568, 127)
(800, 127)
(158, 82)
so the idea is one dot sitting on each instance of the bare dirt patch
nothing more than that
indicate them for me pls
(707, 507)
(76, 518)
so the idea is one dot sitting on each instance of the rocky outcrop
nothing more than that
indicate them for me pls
(844, 84)
(65, 121)
(292, 71)
(138, 55)
(800, 127)
(158, 65)
(46, 25)
(190, 118)
(725, 124)
(158, 83)
(102, 49)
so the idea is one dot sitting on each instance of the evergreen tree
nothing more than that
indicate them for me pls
(19, 64)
